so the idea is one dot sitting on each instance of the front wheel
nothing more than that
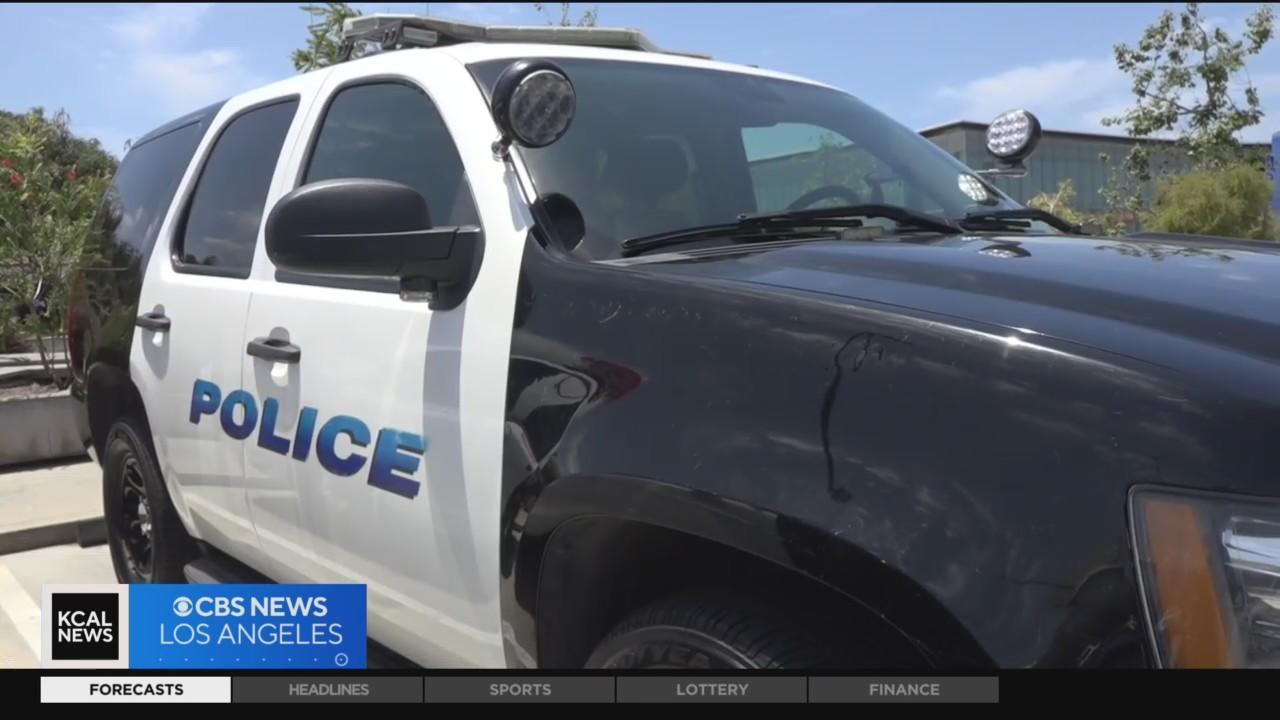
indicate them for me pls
(713, 630)
(147, 541)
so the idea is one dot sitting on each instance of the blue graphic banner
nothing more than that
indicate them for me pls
(280, 627)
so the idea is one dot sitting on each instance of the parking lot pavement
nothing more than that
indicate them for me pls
(21, 576)
(47, 494)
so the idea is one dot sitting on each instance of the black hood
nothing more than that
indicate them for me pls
(1118, 295)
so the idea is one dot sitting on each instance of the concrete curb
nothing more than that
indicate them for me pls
(45, 427)
(85, 533)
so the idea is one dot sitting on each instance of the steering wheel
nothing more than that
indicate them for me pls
(825, 192)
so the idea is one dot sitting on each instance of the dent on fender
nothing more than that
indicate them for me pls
(396, 456)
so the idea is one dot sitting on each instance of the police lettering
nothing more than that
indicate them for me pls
(395, 458)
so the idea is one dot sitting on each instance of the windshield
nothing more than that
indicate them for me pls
(658, 148)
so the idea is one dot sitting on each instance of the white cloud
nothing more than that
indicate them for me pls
(159, 23)
(1077, 93)
(165, 65)
(185, 81)
(1091, 120)
(1235, 27)
(1075, 87)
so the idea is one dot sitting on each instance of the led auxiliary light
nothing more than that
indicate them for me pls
(541, 108)
(534, 103)
(1013, 135)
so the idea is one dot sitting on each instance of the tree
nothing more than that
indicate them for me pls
(47, 202)
(1185, 75)
(325, 40)
(1123, 196)
(1233, 201)
(586, 19)
(65, 149)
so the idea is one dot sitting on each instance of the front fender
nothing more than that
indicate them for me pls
(781, 540)
(968, 489)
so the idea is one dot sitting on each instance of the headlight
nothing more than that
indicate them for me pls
(1209, 567)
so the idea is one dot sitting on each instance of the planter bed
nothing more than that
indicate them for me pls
(37, 422)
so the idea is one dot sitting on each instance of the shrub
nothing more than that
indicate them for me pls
(1060, 203)
(1234, 201)
(47, 201)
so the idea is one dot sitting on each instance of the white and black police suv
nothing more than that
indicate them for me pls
(581, 353)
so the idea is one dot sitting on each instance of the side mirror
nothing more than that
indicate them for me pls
(374, 229)
(533, 103)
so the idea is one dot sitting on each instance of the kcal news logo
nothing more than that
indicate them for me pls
(85, 626)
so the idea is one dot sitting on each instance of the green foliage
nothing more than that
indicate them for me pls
(47, 202)
(1185, 81)
(1120, 218)
(324, 41)
(1233, 201)
(586, 19)
(1122, 194)
(1060, 202)
(65, 149)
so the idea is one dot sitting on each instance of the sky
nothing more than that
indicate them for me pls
(120, 70)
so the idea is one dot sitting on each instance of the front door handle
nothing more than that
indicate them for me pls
(274, 349)
(153, 321)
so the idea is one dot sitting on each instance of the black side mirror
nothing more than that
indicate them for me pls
(373, 228)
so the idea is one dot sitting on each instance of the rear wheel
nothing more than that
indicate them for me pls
(715, 630)
(147, 541)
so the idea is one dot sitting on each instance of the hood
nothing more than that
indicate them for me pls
(1130, 296)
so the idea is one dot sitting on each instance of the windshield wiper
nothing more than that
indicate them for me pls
(756, 227)
(1000, 220)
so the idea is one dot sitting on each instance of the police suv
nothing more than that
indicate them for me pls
(581, 353)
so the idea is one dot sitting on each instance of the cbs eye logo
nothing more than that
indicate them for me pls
(183, 606)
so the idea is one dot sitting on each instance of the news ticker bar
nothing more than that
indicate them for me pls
(514, 689)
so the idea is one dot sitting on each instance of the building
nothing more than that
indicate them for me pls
(1077, 156)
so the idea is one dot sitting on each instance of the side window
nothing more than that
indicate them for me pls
(225, 212)
(391, 131)
(135, 203)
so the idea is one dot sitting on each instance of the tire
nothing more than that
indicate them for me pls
(147, 541)
(714, 630)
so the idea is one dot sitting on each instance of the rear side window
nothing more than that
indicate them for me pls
(138, 198)
(225, 212)
(391, 131)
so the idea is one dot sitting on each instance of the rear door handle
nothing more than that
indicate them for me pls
(274, 349)
(153, 321)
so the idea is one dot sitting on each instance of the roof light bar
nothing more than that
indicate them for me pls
(380, 32)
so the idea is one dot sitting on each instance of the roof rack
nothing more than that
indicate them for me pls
(369, 34)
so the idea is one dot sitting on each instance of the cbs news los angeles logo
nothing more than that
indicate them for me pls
(85, 626)
(266, 626)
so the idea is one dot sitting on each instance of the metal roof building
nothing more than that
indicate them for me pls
(1061, 155)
